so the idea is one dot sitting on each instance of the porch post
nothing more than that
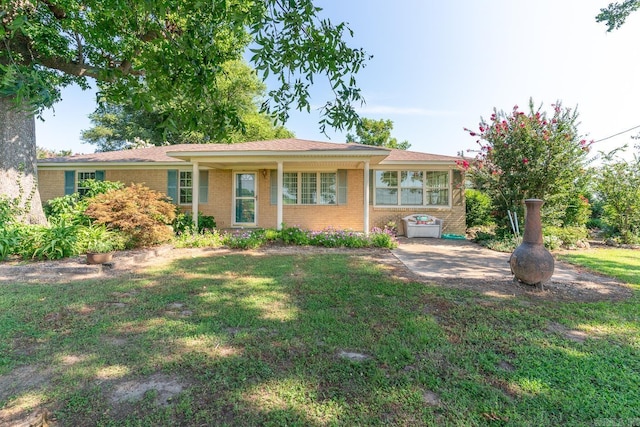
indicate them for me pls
(195, 193)
(366, 198)
(279, 195)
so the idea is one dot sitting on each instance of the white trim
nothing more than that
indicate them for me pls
(279, 182)
(366, 198)
(195, 193)
(424, 205)
(255, 174)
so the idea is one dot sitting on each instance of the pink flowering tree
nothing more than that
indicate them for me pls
(532, 154)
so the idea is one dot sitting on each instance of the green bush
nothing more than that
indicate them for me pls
(294, 236)
(142, 214)
(578, 212)
(189, 239)
(99, 239)
(383, 238)
(478, 208)
(245, 240)
(59, 240)
(568, 236)
(184, 222)
(71, 207)
(9, 241)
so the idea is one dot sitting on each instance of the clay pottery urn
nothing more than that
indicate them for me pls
(531, 262)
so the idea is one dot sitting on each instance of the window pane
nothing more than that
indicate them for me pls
(438, 197)
(82, 190)
(290, 188)
(245, 185)
(411, 196)
(309, 188)
(386, 179)
(328, 188)
(437, 179)
(245, 211)
(386, 196)
(186, 195)
(411, 179)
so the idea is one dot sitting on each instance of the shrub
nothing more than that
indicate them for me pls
(478, 208)
(72, 207)
(578, 212)
(294, 236)
(142, 214)
(99, 239)
(9, 241)
(184, 222)
(59, 240)
(568, 237)
(189, 239)
(245, 240)
(383, 238)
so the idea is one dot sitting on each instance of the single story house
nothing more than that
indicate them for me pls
(310, 184)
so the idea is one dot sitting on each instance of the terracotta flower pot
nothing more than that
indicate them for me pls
(99, 258)
(531, 262)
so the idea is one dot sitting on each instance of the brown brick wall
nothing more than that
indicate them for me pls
(317, 217)
(50, 184)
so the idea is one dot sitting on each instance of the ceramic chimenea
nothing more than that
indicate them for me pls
(531, 262)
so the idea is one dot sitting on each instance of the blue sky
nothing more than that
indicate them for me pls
(440, 65)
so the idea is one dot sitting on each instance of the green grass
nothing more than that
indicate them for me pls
(256, 340)
(623, 264)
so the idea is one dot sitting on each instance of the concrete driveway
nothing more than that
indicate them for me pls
(438, 259)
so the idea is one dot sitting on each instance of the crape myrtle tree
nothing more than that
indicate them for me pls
(159, 52)
(119, 127)
(529, 155)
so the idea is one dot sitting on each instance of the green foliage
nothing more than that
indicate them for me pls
(7, 211)
(567, 237)
(616, 14)
(478, 208)
(119, 127)
(72, 207)
(529, 155)
(184, 222)
(56, 241)
(377, 133)
(99, 239)
(251, 239)
(618, 186)
(207, 238)
(142, 214)
(578, 211)
(9, 241)
(294, 236)
(383, 238)
(172, 54)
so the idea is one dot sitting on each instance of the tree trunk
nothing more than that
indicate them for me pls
(18, 168)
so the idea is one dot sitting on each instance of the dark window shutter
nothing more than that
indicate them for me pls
(99, 175)
(69, 182)
(458, 188)
(342, 186)
(203, 188)
(273, 176)
(172, 185)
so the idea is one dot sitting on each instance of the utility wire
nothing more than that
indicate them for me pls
(619, 133)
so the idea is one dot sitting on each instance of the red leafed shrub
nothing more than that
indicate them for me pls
(139, 212)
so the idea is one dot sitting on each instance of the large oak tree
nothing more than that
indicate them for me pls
(160, 52)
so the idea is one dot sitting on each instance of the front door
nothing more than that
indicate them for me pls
(245, 198)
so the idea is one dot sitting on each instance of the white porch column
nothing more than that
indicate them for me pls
(195, 193)
(279, 193)
(366, 198)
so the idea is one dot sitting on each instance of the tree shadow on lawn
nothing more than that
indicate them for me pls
(256, 340)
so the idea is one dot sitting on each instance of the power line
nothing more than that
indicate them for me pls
(619, 133)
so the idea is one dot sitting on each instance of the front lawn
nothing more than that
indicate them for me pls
(310, 340)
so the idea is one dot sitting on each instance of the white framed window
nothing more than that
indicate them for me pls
(309, 188)
(185, 188)
(83, 176)
(411, 188)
